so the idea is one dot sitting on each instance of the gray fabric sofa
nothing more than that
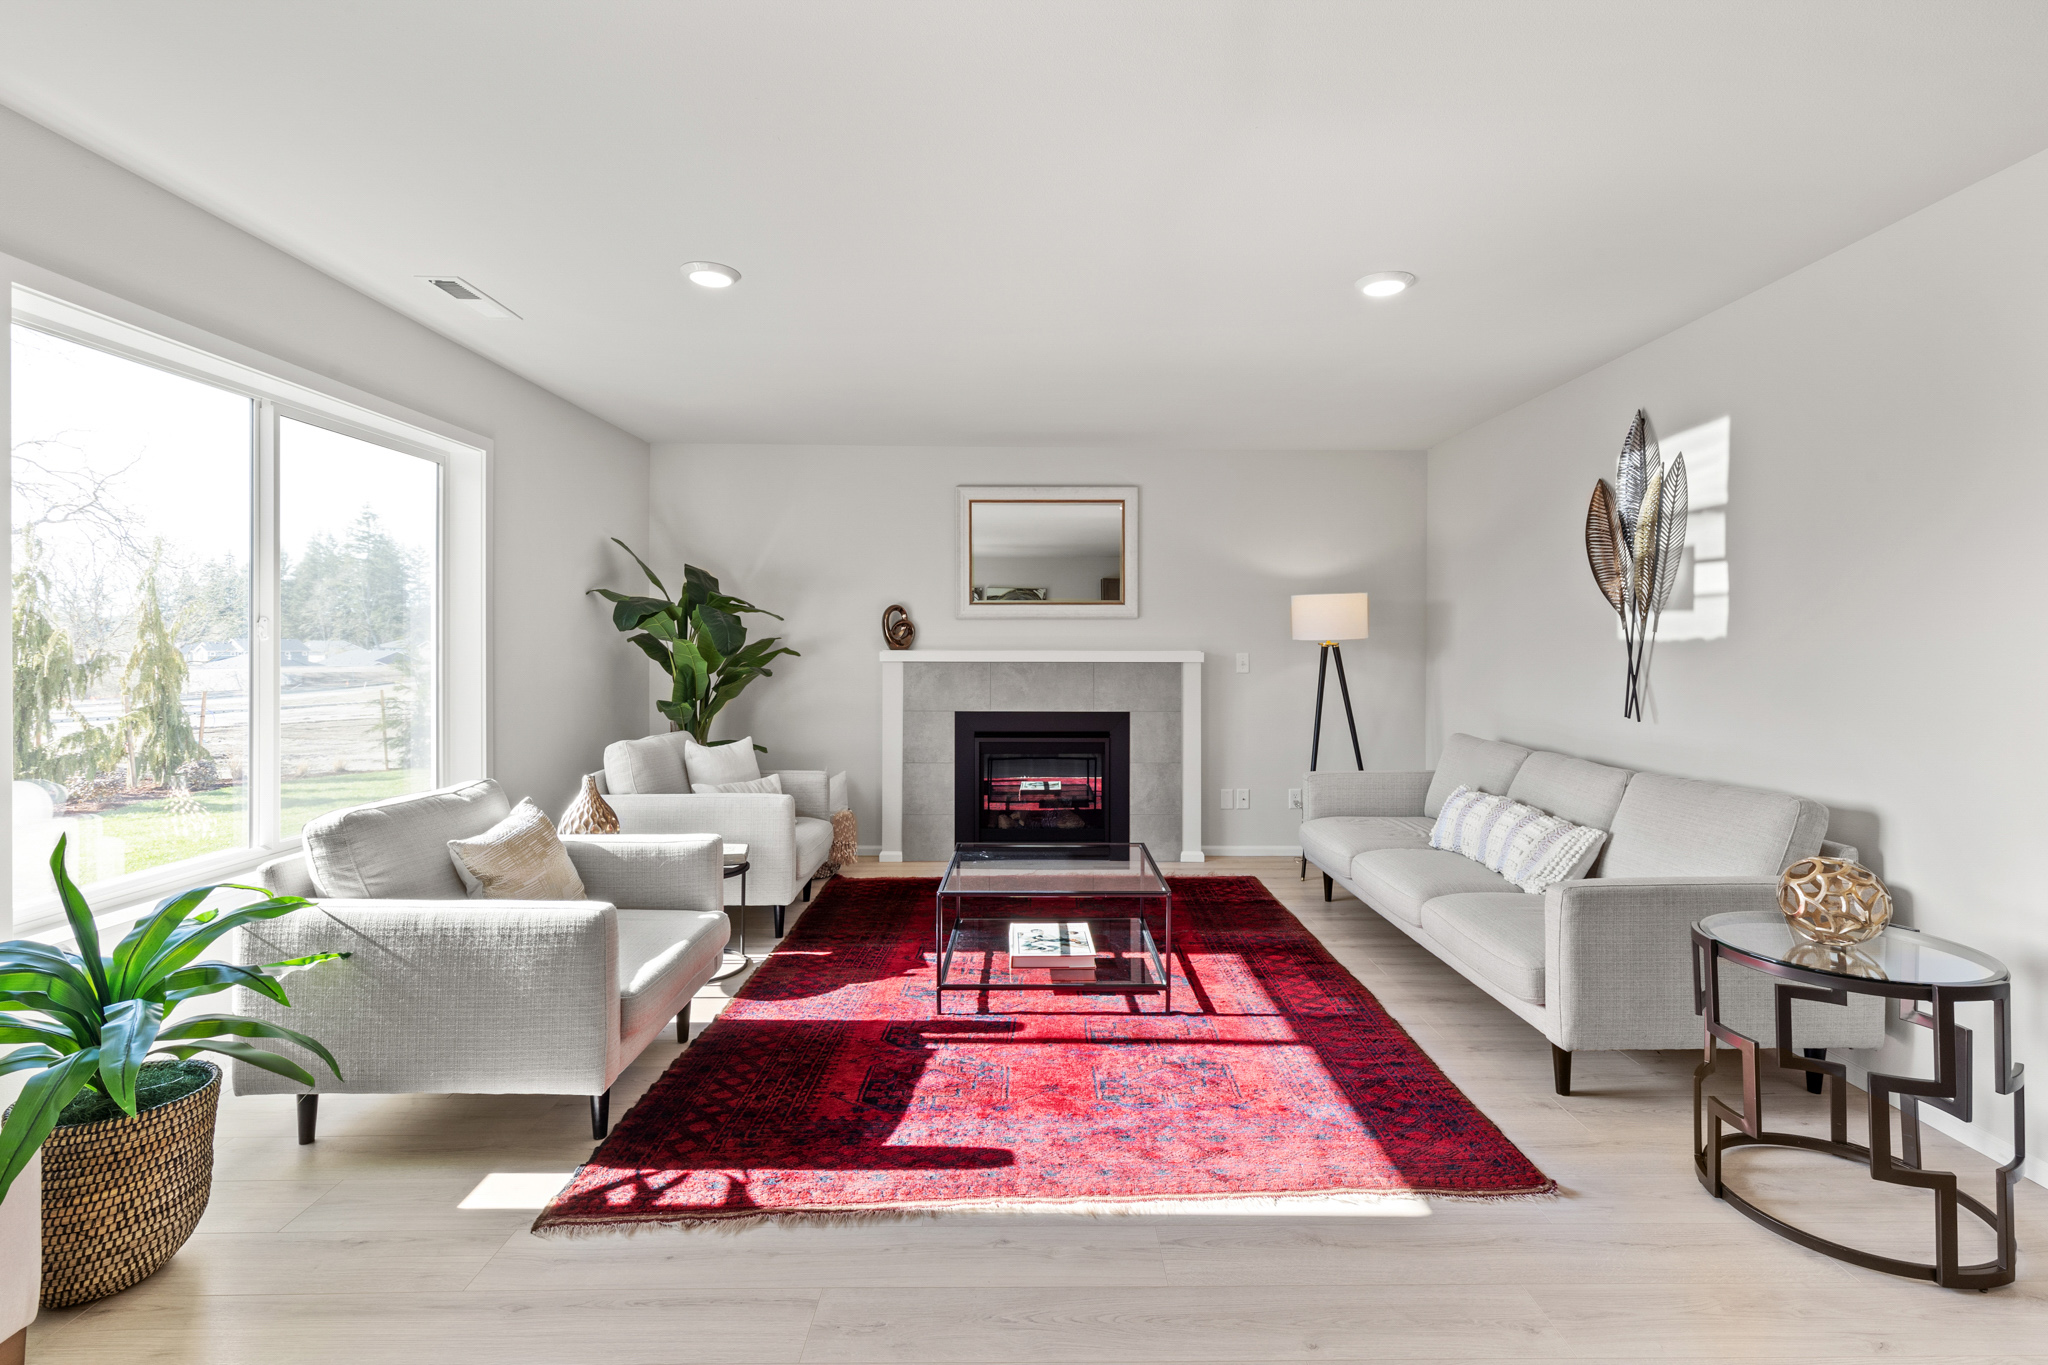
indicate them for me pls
(1603, 962)
(788, 837)
(444, 994)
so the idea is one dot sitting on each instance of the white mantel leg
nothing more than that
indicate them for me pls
(892, 761)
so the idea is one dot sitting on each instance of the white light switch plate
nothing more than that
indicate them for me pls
(1294, 798)
(1244, 798)
(1244, 663)
(1227, 801)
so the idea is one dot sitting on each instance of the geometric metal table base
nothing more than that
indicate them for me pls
(1949, 1090)
(730, 963)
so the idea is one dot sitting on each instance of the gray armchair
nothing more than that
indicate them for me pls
(788, 836)
(442, 993)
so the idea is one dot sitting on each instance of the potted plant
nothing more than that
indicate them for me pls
(699, 641)
(128, 1142)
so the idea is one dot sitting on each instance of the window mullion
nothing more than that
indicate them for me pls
(265, 677)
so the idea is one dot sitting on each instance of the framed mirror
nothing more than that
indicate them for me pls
(1040, 552)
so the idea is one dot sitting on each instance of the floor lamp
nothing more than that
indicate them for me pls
(1327, 617)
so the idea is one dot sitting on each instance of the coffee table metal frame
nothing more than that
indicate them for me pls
(1158, 962)
(1949, 1090)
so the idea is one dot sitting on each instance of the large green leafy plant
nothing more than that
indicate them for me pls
(699, 641)
(90, 1019)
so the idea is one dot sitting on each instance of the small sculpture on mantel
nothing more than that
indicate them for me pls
(897, 629)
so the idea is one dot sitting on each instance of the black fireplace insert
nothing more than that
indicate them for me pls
(1041, 777)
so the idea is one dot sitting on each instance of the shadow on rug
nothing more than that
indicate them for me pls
(831, 1088)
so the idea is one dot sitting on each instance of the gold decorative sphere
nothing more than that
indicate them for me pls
(1834, 901)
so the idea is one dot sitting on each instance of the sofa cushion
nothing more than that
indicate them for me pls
(1332, 841)
(1581, 792)
(647, 767)
(1678, 827)
(1527, 846)
(520, 858)
(1494, 936)
(1400, 881)
(661, 951)
(397, 849)
(1485, 765)
(721, 763)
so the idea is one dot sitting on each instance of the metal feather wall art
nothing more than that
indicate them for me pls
(1635, 544)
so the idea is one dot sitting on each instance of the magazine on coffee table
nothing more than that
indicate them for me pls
(1049, 944)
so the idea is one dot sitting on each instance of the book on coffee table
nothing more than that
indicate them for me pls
(1044, 944)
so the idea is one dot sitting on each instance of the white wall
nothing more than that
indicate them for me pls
(562, 481)
(1887, 651)
(829, 536)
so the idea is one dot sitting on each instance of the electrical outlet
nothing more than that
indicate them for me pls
(1244, 798)
(1228, 801)
(1244, 663)
(1294, 798)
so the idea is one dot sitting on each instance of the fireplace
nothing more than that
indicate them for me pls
(1042, 777)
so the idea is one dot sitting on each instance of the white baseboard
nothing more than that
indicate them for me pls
(1253, 850)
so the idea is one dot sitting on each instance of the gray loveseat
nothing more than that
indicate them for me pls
(1603, 962)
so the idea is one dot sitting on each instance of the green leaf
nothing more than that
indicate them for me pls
(25, 957)
(83, 1026)
(40, 1056)
(688, 656)
(663, 627)
(209, 977)
(19, 1031)
(216, 1025)
(129, 1035)
(655, 650)
(631, 612)
(148, 936)
(193, 937)
(699, 587)
(35, 1113)
(642, 563)
(254, 1056)
(726, 630)
(79, 914)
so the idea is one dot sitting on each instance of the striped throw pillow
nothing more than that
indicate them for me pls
(1529, 848)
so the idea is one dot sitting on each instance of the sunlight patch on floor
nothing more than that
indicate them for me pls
(516, 1190)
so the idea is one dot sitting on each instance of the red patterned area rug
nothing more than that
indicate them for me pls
(831, 1087)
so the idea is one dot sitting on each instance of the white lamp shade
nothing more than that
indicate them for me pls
(1329, 616)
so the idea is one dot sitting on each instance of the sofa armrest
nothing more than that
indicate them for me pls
(812, 790)
(651, 871)
(1362, 794)
(477, 997)
(1618, 968)
(763, 821)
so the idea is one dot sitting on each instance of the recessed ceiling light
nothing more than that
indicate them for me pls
(467, 294)
(1385, 284)
(711, 275)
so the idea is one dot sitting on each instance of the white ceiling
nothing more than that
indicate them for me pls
(1044, 221)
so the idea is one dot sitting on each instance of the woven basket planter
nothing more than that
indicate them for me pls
(120, 1197)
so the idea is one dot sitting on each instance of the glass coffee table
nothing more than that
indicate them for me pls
(991, 887)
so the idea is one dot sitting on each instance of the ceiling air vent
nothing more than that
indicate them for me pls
(468, 295)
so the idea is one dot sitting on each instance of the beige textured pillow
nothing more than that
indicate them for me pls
(717, 764)
(519, 858)
(771, 784)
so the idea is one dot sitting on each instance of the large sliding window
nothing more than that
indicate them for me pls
(227, 614)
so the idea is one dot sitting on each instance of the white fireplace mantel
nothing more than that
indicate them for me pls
(1190, 661)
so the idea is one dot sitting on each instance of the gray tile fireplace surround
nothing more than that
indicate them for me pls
(1151, 692)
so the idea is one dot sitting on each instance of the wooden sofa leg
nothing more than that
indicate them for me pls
(1814, 1078)
(309, 1118)
(807, 892)
(600, 1115)
(683, 1023)
(1329, 888)
(14, 1350)
(778, 921)
(1561, 1069)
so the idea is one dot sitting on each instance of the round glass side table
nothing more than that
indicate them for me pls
(1928, 976)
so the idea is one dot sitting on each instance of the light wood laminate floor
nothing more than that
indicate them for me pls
(358, 1249)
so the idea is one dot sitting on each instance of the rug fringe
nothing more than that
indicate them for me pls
(1303, 1203)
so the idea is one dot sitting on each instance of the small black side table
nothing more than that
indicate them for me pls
(1901, 965)
(737, 863)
